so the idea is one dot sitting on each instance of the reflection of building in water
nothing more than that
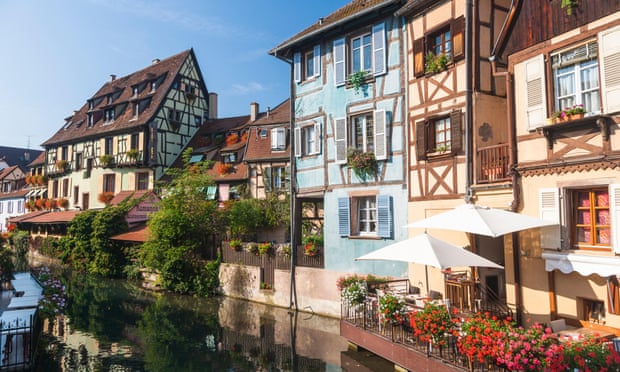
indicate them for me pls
(84, 352)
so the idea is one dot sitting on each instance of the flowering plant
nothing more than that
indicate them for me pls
(525, 350)
(480, 333)
(54, 296)
(253, 248)
(433, 323)
(223, 168)
(355, 293)
(392, 308)
(284, 250)
(575, 110)
(310, 249)
(264, 248)
(583, 355)
(235, 244)
(363, 164)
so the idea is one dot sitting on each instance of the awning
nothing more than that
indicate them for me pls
(585, 265)
(29, 193)
(40, 192)
(196, 158)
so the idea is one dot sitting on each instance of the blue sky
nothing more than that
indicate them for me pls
(56, 54)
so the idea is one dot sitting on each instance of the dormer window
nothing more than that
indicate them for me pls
(109, 99)
(135, 91)
(153, 86)
(136, 110)
(228, 158)
(91, 105)
(109, 115)
(91, 120)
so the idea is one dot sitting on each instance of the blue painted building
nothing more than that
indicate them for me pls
(349, 106)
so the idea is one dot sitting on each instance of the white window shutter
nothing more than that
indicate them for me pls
(317, 138)
(340, 140)
(535, 92)
(378, 49)
(317, 60)
(297, 67)
(339, 62)
(298, 141)
(384, 216)
(549, 209)
(380, 134)
(614, 210)
(609, 49)
(344, 220)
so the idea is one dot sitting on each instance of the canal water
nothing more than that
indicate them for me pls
(114, 325)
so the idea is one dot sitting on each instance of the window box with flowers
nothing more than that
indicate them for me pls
(63, 203)
(106, 197)
(265, 248)
(224, 168)
(235, 245)
(253, 248)
(392, 309)
(363, 164)
(61, 165)
(106, 160)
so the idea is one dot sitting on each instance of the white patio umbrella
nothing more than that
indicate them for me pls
(481, 220)
(429, 251)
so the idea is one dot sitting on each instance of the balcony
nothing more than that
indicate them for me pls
(492, 164)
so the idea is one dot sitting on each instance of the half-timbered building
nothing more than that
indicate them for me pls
(564, 64)
(127, 133)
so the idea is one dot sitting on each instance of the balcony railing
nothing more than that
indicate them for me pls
(493, 164)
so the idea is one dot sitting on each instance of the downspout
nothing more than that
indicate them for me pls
(516, 196)
(468, 101)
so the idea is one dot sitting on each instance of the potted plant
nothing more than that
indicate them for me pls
(355, 293)
(357, 79)
(133, 154)
(265, 248)
(363, 164)
(106, 197)
(392, 309)
(223, 168)
(436, 63)
(433, 323)
(106, 160)
(312, 243)
(253, 248)
(235, 245)
(284, 250)
(63, 203)
(61, 165)
(575, 112)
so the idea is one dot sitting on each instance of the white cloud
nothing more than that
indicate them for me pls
(245, 89)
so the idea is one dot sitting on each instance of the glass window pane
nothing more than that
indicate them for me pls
(603, 237)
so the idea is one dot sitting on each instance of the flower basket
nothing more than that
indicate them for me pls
(363, 164)
(355, 293)
(106, 197)
(235, 245)
(310, 249)
(223, 168)
(392, 308)
(61, 165)
(265, 248)
(63, 203)
(253, 248)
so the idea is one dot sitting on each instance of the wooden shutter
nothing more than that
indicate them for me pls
(458, 39)
(339, 62)
(418, 57)
(298, 142)
(456, 131)
(609, 49)
(378, 49)
(535, 92)
(297, 67)
(317, 60)
(267, 179)
(380, 118)
(384, 216)
(340, 140)
(614, 210)
(420, 143)
(317, 138)
(344, 217)
(613, 295)
(549, 210)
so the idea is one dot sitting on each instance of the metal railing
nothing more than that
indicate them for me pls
(492, 164)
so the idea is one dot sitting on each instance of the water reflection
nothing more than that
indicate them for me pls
(112, 325)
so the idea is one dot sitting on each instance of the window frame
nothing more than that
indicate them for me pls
(573, 220)
(366, 50)
(278, 139)
(142, 181)
(350, 220)
(426, 136)
(422, 46)
(109, 183)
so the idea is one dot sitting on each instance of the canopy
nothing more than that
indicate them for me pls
(481, 220)
(427, 250)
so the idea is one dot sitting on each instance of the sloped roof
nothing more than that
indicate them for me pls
(163, 71)
(39, 160)
(14, 194)
(19, 156)
(239, 173)
(348, 13)
(139, 234)
(43, 217)
(7, 171)
(259, 147)
(137, 194)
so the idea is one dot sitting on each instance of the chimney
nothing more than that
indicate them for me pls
(112, 77)
(253, 111)
(155, 61)
(212, 105)
(321, 20)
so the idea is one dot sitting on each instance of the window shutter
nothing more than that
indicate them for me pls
(378, 49)
(340, 140)
(613, 295)
(384, 216)
(267, 179)
(317, 138)
(549, 209)
(418, 57)
(297, 67)
(420, 143)
(458, 39)
(287, 177)
(317, 60)
(339, 66)
(298, 142)
(614, 209)
(535, 92)
(456, 129)
(609, 49)
(380, 134)
(344, 226)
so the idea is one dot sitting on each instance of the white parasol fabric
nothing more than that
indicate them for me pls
(427, 250)
(481, 220)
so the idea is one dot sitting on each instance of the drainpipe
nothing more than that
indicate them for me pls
(468, 101)
(516, 197)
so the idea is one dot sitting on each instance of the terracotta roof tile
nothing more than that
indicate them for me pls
(43, 217)
(140, 234)
(166, 69)
(123, 195)
(14, 194)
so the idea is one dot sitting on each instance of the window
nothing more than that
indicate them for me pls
(108, 182)
(365, 132)
(109, 115)
(308, 140)
(64, 153)
(365, 215)
(142, 181)
(278, 139)
(134, 141)
(65, 187)
(279, 178)
(275, 178)
(447, 39)
(109, 146)
(9, 205)
(76, 194)
(366, 52)
(438, 135)
(55, 189)
(20, 206)
(575, 78)
(79, 158)
(85, 201)
(229, 157)
(307, 65)
(590, 225)
(593, 311)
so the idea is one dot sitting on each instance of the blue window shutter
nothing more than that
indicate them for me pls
(378, 49)
(297, 142)
(384, 216)
(297, 67)
(344, 217)
(317, 60)
(339, 62)
(317, 138)
(380, 134)
(340, 140)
